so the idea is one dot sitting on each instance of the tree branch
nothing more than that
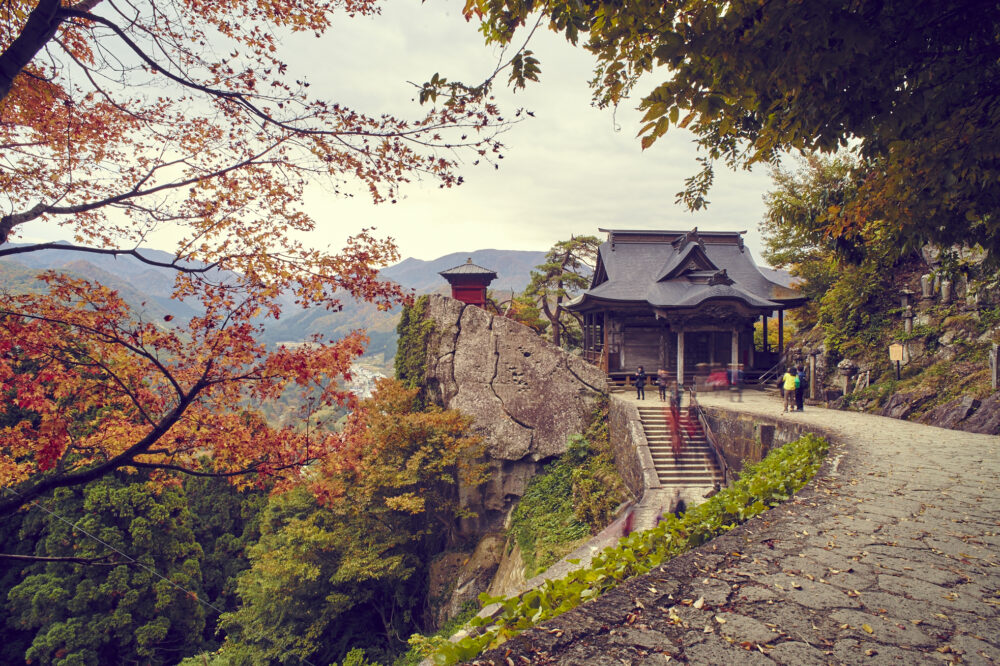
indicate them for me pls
(95, 250)
(123, 459)
(101, 561)
(40, 27)
(184, 470)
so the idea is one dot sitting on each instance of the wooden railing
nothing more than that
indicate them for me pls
(696, 408)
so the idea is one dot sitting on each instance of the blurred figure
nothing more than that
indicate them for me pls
(736, 384)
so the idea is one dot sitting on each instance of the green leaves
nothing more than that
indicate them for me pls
(106, 614)
(523, 68)
(572, 498)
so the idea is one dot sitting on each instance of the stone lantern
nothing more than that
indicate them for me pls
(847, 369)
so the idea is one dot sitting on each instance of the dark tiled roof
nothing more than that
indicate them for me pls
(673, 275)
(469, 268)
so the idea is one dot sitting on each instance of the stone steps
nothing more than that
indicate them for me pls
(694, 466)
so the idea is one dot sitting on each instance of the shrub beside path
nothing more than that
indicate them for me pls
(891, 555)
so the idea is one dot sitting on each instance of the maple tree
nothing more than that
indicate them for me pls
(796, 211)
(118, 121)
(909, 88)
(848, 280)
(524, 310)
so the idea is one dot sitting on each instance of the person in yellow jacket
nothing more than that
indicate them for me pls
(788, 385)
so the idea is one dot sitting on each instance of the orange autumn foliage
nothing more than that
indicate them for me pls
(119, 120)
(394, 457)
(96, 389)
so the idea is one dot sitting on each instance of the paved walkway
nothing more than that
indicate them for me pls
(892, 555)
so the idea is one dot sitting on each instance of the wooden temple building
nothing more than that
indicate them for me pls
(684, 301)
(469, 282)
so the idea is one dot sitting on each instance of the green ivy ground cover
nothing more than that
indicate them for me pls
(760, 486)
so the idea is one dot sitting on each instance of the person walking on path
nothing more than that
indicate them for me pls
(661, 383)
(640, 384)
(788, 382)
(800, 388)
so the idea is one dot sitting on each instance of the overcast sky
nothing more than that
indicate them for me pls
(569, 170)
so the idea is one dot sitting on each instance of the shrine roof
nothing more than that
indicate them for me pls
(469, 269)
(681, 269)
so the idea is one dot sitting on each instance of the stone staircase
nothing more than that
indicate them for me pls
(695, 466)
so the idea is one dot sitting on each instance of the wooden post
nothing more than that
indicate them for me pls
(781, 332)
(734, 354)
(765, 347)
(680, 358)
(605, 352)
(812, 376)
(995, 366)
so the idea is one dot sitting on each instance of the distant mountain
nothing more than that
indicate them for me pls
(513, 269)
(148, 288)
(145, 288)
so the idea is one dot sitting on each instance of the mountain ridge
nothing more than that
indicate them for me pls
(147, 289)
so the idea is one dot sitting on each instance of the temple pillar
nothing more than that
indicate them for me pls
(680, 358)
(781, 332)
(605, 350)
(734, 354)
(765, 347)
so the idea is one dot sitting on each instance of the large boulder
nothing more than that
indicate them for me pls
(526, 397)
(951, 414)
(901, 405)
(986, 419)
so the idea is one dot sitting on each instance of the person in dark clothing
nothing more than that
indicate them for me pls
(661, 383)
(800, 390)
(640, 383)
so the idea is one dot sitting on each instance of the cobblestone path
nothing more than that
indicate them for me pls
(890, 556)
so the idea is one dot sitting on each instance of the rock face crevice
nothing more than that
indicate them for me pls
(526, 397)
(600, 389)
(496, 372)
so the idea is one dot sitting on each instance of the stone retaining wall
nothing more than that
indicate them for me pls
(749, 437)
(632, 456)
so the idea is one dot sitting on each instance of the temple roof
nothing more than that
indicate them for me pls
(469, 269)
(680, 270)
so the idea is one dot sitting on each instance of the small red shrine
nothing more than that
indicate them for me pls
(469, 282)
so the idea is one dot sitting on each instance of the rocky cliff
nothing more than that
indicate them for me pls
(525, 394)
